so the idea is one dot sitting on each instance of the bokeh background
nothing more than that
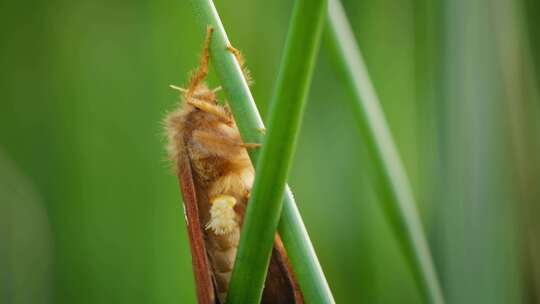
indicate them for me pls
(90, 211)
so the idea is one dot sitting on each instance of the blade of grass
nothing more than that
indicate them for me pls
(521, 97)
(395, 190)
(293, 233)
(265, 204)
(475, 226)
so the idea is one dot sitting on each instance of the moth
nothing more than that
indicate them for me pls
(216, 176)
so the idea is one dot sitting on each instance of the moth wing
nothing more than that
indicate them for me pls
(201, 267)
(281, 285)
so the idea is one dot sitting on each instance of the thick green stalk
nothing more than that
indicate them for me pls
(266, 201)
(291, 228)
(394, 188)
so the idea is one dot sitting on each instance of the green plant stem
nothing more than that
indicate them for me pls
(266, 201)
(393, 186)
(293, 233)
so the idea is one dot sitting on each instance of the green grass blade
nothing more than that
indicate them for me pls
(292, 230)
(265, 204)
(476, 229)
(301, 254)
(395, 192)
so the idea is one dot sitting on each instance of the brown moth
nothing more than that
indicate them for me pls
(216, 176)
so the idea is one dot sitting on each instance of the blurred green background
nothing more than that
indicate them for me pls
(90, 211)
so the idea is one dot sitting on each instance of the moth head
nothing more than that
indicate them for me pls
(205, 100)
(202, 94)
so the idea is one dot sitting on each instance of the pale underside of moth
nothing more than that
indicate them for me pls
(216, 176)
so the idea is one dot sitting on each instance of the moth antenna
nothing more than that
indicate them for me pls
(178, 88)
(201, 73)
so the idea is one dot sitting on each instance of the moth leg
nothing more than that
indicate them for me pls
(237, 54)
(241, 62)
(210, 108)
(250, 145)
(212, 143)
(202, 71)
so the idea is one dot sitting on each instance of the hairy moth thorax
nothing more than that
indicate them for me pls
(216, 176)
